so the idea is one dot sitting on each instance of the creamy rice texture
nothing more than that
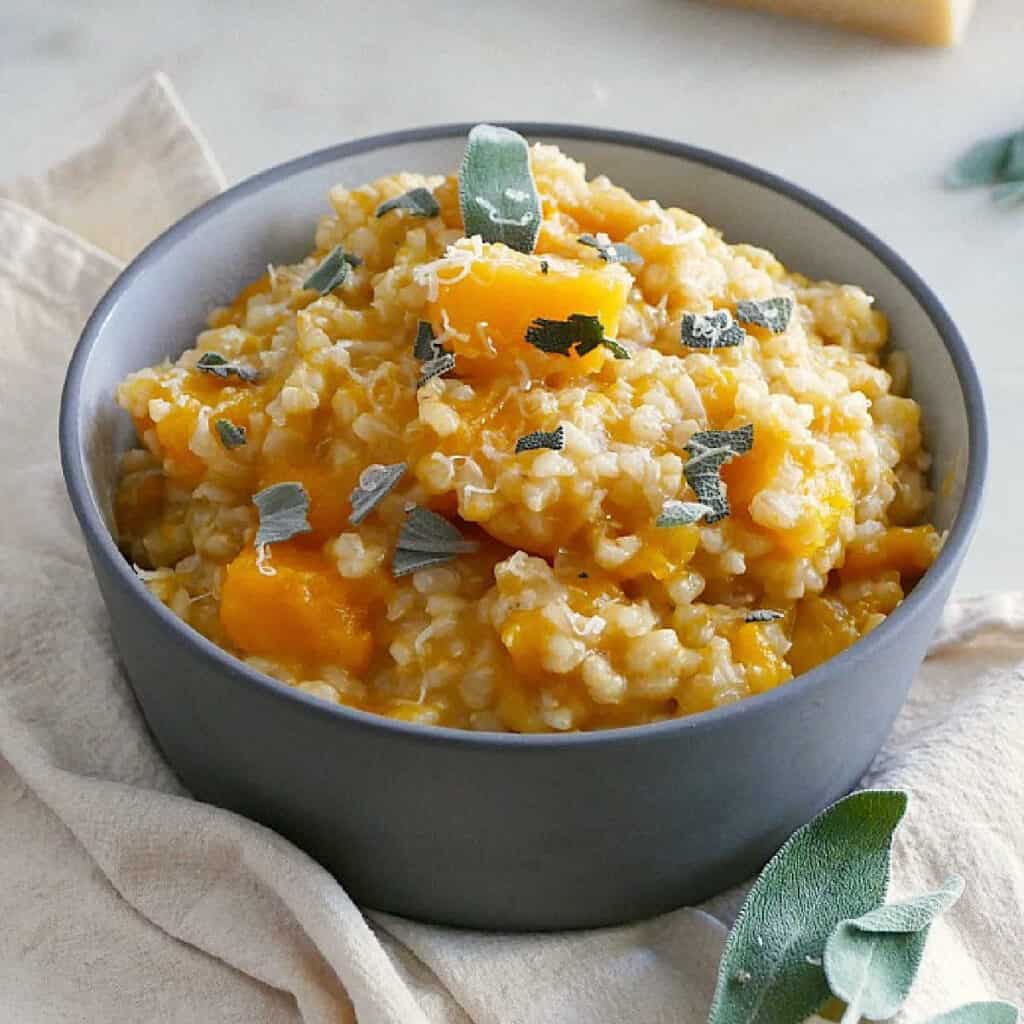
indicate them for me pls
(576, 611)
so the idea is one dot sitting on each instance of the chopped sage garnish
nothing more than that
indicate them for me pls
(553, 439)
(436, 367)
(834, 868)
(425, 347)
(611, 252)
(709, 450)
(544, 265)
(282, 509)
(764, 615)
(497, 192)
(419, 202)
(772, 314)
(217, 366)
(427, 539)
(375, 483)
(231, 435)
(710, 330)
(581, 334)
(332, 271)
(682, 513)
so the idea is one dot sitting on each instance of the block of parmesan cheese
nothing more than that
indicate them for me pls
(927, 22)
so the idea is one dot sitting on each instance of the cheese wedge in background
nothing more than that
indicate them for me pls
(928, 22)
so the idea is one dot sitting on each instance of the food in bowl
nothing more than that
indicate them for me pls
(513, 450)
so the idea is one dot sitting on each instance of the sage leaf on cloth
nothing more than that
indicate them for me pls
(979, 1013)
(871, 962)
(989, 162)
(835, 867)
(497, 193)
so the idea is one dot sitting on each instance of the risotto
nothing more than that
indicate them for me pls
(513, 450)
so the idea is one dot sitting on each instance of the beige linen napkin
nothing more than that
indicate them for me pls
(123, 900)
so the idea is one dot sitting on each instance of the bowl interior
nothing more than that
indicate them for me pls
(208, 257)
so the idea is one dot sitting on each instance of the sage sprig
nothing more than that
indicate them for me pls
(497, 193)
(998, 162)
(871, 961)
(996, 1012)
(834, 868)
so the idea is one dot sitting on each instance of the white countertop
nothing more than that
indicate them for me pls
(867, 125)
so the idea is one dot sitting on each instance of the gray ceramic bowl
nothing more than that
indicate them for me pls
(508, 831)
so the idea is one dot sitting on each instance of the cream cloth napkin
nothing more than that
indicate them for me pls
(121, 899)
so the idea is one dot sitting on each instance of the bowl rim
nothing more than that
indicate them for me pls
(73, 456)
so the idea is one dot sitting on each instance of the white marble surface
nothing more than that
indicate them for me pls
(867, 125)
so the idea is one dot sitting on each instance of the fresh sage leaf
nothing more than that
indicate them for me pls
(497, 193)
(710, 331)
(375, 483)
(979, 1013)
(833, 868)
(425, 347)
(772, 314)
(682, 513)
(611, 252)
(1009, 194)
(985, 163)
(332, 271)
(580, 333)
(438, 366)
(553, 439)
(216, 365)
(871, 961)
(427, 539)
(708, 451)
(419, 202)
(764, 615)
(231, 436)
(283, 509)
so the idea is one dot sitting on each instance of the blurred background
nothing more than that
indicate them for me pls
(868, 124)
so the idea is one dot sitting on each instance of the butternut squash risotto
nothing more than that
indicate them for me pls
(590, 466)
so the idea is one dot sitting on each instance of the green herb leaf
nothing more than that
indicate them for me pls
(375, 483)
(611, 252)
(709, 450)
(772, 314)
(283, 508)
(763, 615)
(617, 350)
(425, 348)
(497, 192)
(427, 539)
(230, 435)
(216, 365)
(544, 266)
(985, 163)
(419, 202)
(682, 513)
(553, 439)
(1009, 194)
(979, 1013)
(710, 331)
(871, 961)
(581, 333)
(332, 271)
(436, 367)
(836, 867)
